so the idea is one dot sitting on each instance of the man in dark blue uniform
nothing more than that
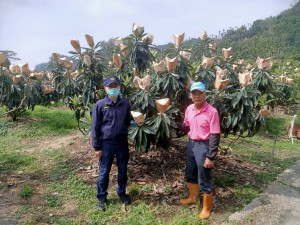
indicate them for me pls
(110, 120)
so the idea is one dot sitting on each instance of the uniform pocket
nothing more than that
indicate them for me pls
(107, 116)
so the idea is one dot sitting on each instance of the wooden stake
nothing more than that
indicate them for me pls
(273, 153)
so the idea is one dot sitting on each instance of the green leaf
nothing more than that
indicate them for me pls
(237, 98)
(167, 120)
(148, 130)
(234, 120)
(140, 136)
(133, 130)
(228, 122)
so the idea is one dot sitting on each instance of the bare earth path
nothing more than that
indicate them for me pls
(279, 204)
(11, 183)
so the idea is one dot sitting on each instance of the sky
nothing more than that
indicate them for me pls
(34, 29)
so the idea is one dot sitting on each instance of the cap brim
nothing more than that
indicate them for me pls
(198, 90)
(113, 82)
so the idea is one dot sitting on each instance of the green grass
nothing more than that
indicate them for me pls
(64, 221)
(30, 220)
(168, 189)
(186, 217)
(40, 122)
(61, 170)
(226, 180)
(258, 149)
(2, 109)
(26, 191)
(141, 214)
(147, 188)
(22, 210)
(57, 154)
(53, 201)
(276, 125)
(134, 189)
(50, 121)
(265, 177)
(4, 128)
(12, 160)
(47, 121)
(245, 194)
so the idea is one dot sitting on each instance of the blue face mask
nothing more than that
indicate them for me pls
(113, 92)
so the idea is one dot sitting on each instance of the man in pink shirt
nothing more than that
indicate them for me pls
(202, 124)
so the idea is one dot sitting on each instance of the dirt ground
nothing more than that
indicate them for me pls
(163, 169)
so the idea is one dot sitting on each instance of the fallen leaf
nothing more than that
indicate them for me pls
(142, 182)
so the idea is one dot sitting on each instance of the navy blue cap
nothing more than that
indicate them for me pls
(112, 79)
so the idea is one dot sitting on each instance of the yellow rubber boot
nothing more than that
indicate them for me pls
(207, 203)
(194, 195)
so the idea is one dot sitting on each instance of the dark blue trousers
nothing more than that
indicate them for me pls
(195, 172)
(109, 151)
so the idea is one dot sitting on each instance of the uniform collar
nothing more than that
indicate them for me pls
(110, 102)
(203, 109)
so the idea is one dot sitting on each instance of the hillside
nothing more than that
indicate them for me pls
(48, 65)
(277, 37)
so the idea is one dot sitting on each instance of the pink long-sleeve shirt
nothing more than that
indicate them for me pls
(202, 123)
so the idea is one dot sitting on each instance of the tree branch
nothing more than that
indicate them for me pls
(13, 110)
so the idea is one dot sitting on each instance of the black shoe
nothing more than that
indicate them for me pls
(125, 198)
(101, 205)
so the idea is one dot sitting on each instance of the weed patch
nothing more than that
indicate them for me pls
(133, 189)
(26, 191)
(226, 180)
(4, 127)
(61, 170)
(147, 188)
(246, 194)
(14, 160)
(265, 177)
(52, 200)
(168, 189)
(141, 214)
(186, 217)
(22, 210)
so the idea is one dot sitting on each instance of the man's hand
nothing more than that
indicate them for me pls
(183, 127)
(208, 163)
(98, 154)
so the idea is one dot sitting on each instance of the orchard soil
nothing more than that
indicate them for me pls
(164, 170)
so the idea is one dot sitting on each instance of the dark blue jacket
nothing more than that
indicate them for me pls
(110, 122)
